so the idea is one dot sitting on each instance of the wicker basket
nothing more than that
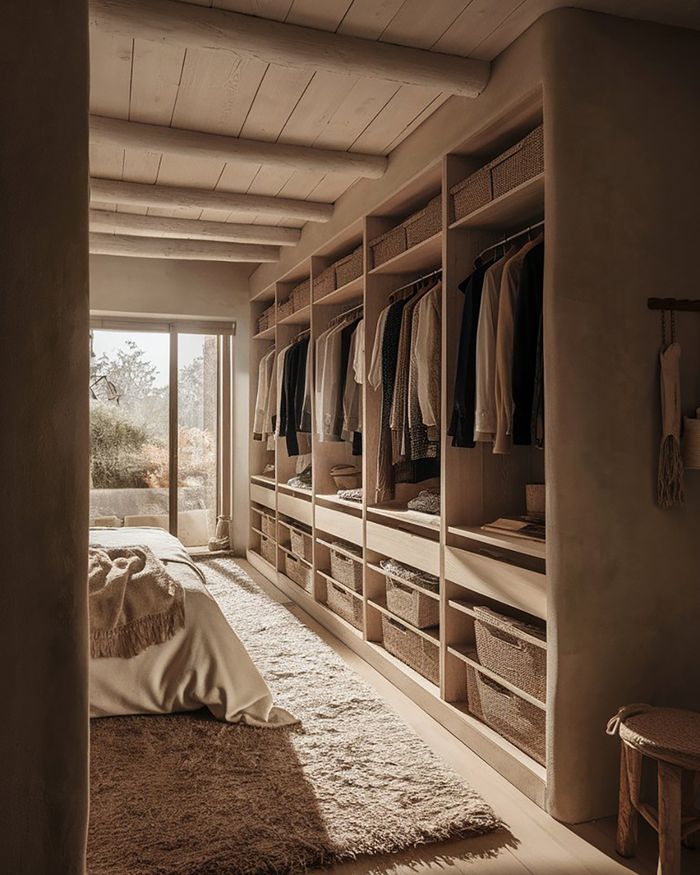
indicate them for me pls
(324, 283)
(515, 719)
(389, 245)
(411, 648)
(268, 549)
(346, 570)
(344, 605)
(416, 607)
(348, 268)
(266, 319)
(346, 476)
(471, 193)
(286, 308)
(301, 295)
(519, 163)
(268, 525)
(300, 544)
(297, 571)
(425, 223)
(514, 650)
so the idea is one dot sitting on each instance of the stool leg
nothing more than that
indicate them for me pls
(670, 778)
(630, 783)
(691, 793)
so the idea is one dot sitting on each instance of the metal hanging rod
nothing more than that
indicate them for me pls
(690, 304)
(421, 279)
(511, 237)
(341, 317)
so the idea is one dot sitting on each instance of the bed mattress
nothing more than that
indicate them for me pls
(203, 665)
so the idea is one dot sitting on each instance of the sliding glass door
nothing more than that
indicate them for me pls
(160, 403)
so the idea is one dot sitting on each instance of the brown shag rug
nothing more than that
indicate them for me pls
(184, 794)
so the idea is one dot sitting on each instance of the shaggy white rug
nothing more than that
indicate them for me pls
(184, 794)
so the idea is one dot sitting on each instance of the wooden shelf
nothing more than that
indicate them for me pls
(340, 550)
(384, 573)
(349, 292)
(267, 334)
(259, 532)
(261, 558)
(340, 502)
(266, 294)
(263, 479)
(415, 676)
(429, 634)
(289, 552)
(520, 204)
(423, 255)
(468, 655)
(295, 490)
(298, 317)
(537, 549)
(402, 514)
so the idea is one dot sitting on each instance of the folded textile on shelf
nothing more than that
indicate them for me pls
(301, 480)
(427, 501)
(350, 494)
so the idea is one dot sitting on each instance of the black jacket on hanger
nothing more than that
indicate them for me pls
(462, 421)
(292, 395)
(526, 329)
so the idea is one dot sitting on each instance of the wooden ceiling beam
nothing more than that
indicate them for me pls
(105, 222)
(288, 45)
(111, 191)
(195, 144)
(188, 250)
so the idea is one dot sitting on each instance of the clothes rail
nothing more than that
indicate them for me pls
(515, 236)
(420, 279)
(341, 317)
(690, 304)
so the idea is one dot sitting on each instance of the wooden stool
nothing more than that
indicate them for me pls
(671, 737)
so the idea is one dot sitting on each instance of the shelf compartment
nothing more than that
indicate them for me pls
(518, 587)
(351, 291)
(380, 570)
(262, 495)
(400, 513)
(521, 203)
(536, 549)
(468, 655)
(267, 334)
(296, 508)
(302, 316)
(340, 524)
(431, 634)
(330, 579)
(332, 498)
(263, 479)
(423, 255)
(407, 547)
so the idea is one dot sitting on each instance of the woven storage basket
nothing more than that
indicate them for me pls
(511, 716)
(286, 308)
(300, 544)
(389, 245)
(298, 572)
(505, 646)
(348, 268)
(346, 570)
(301, 294)
(411, 648)
(344, 605)
(346, 476)
(412, 605)
(268, 525)
(268, 549)
(425, 223)
(519, 163)
(262, 323)
(471, 193)
(324, 283)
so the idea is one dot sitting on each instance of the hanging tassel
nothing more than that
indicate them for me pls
(669, 488)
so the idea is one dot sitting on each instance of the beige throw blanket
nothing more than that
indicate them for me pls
(133, 601)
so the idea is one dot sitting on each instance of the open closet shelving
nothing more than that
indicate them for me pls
(474, 567)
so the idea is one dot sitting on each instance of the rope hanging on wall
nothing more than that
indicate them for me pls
(669, 489)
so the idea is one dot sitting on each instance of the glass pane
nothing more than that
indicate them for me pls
(129, 458)
(197, 438)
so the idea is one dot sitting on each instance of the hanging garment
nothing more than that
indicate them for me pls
(359, 352)
(425, 352)
(374, 376)
(265, 374)
(330, 406)
(420, 445)
(352, 396)
(389, 352)
(510, 283)
(292, 396)
(345, 373)
(399, 406)
(281, 359)
(485, 403)
(537, 421)
(461, 427)
(528, 315)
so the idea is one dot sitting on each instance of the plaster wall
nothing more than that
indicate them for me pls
(622, 134)
(188, 290)
(44, 437)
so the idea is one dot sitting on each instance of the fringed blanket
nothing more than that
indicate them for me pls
(133, 601)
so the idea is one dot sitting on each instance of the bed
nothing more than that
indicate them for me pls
(202, 665)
